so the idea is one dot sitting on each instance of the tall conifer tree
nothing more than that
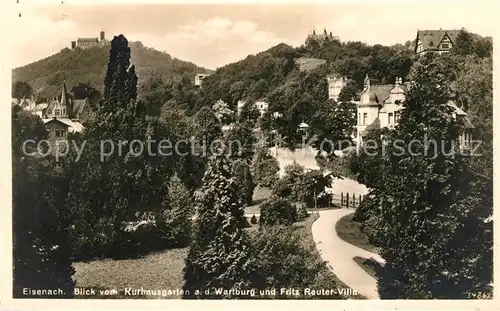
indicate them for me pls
(434, 208)
(218, 256)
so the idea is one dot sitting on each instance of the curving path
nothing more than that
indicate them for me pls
(339, 254)
(307, 158)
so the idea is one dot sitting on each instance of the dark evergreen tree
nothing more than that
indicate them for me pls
(243, 177)
(240, 141)
(265, 168)
(207, 131)
(249, 114)
(219, 254)
(435, 211)
(174, 222)
(41, 225)
(120, 177)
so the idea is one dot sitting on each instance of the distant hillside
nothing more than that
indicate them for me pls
(285, 69)
(89, 65)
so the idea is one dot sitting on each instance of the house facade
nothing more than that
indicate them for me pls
(59, 117)
(436, 41)
(380, 107)
(335, 84)
(198, 79)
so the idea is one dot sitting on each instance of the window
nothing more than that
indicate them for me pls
(390, 117)
(365, 117)
(59, 133)
(359, 118)
(57, 112)
(397, 116)
(445, 46)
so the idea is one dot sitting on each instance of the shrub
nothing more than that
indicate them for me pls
(283, 261)
(282, 188)
(265, 168)
(302, 212)
(253, 220)
(369, 206)
(277, 211)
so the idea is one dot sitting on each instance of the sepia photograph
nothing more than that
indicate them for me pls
(255, 151)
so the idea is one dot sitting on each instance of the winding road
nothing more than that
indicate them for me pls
(336, 252)
(339, 254)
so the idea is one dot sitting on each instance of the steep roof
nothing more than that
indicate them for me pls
(72, 126)
(431, 38)
(382, 91)
(77, 106)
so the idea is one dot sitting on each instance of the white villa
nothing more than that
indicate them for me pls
(379, 107)
(335, 85)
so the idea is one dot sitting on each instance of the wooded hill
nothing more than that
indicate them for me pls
(89, 66)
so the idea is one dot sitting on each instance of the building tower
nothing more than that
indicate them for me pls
(368, 109)
(102, 36)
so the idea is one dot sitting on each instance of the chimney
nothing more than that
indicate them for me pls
(102, 36)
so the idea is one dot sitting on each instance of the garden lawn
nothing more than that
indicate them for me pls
(156, 271)
(369, 265)
(350, 231)
(259, 196)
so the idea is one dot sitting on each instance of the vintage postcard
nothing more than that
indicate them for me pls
(330, 152)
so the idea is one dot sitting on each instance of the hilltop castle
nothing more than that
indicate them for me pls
(320, 37)
(85, 43)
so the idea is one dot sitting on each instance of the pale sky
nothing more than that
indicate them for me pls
(218, 34)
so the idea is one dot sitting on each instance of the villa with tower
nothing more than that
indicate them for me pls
(59, 116)
(380, 107)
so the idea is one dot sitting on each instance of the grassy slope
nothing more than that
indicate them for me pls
(349, 231)
(162, 271)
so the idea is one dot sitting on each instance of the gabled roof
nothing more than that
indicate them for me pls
(77, 106)
(382, 91)
(73, 126)
(431, 38)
